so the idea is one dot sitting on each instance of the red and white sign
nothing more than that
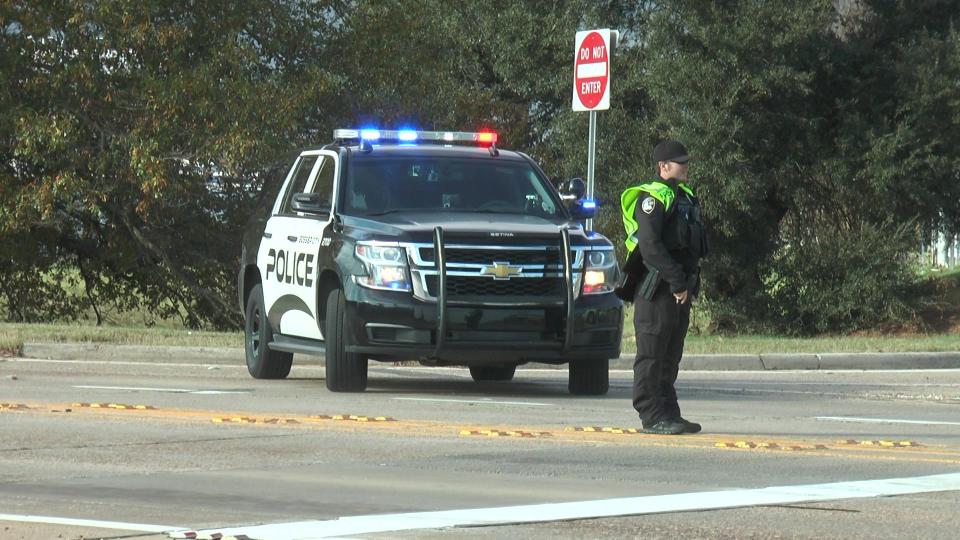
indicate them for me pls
(591, 71)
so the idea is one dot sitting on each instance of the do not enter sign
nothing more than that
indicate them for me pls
(591, 71)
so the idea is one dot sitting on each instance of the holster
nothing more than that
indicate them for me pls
(651, 280)
(637, 277)
(629, 277)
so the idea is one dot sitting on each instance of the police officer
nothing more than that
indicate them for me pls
(666, 240)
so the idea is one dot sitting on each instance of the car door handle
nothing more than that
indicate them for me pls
(267, 235)
(292, 238)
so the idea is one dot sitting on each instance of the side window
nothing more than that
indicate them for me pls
(324, 183)
(298, 182)
(537, 195)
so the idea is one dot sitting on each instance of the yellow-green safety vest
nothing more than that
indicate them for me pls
(628, 205)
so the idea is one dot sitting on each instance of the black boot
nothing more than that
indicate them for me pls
(666, 426)
(688, 426)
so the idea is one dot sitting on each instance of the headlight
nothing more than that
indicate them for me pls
(386, 267)
(600, 272)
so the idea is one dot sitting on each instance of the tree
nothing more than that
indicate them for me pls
(810, 133)
(132, 136)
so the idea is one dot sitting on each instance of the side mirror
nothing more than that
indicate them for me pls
(575, 189)
(310, 203)
(573, 193)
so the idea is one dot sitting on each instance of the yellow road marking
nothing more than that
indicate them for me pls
(352, 418)
(504, 433)
(252, 420)
(901, 451)
(763, 445)
(117, 406)
(884, 444)
(12, 407)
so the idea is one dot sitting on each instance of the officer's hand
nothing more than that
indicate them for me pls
(681, 297)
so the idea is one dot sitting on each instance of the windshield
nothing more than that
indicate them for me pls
(380, 185)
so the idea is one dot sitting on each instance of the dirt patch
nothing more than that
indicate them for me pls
(941, 319)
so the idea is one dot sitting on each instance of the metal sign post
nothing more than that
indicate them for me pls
(591, 152)
(591, 87)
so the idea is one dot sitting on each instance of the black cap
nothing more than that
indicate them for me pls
(670, 150)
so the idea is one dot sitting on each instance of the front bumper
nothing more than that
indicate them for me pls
(387, 325)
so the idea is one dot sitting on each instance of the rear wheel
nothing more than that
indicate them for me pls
(346, 372)
(492, 373)
(589, 377)
(262, 362)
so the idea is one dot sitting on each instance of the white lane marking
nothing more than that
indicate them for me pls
(745, 390)
(167, 390)
(91, 523)
(884, 420)
(689, 373)
(831, 383)
(481, 401)
(734, 389)
(680, 502)
(812, 372)
(127, 363)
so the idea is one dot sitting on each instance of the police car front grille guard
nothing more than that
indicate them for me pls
(422, 269)
(441, 272)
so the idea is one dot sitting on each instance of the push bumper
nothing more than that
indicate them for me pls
(403, 328)
(389, 325)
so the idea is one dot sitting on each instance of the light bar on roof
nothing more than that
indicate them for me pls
(483, 138)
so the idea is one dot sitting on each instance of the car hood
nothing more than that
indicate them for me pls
(419, 226)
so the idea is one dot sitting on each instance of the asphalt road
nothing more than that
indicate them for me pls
(140, 449)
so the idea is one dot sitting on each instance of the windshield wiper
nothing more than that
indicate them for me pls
(483, 211)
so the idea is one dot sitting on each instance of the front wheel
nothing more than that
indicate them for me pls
(346, 372)
(262, 362)
(589, 377)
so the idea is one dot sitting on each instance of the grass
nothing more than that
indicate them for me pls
(13, 336)
(126, 328)
(758, 344)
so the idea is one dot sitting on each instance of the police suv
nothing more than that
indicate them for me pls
(429, 246)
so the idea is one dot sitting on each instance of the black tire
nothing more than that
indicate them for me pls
(492, 373)
(262, 362)
(346, 372)
(589, 377)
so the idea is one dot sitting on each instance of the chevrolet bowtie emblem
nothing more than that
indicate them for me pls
(500, 270)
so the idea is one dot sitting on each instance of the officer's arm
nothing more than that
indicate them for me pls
(654, 253)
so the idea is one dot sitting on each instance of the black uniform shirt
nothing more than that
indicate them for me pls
(663, 239)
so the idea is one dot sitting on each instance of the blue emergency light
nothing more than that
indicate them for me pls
(368, 134)
(371, 135)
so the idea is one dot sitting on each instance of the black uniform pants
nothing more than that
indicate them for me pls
(661, 326)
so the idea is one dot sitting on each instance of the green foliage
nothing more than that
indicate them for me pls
(135, 137)
(131, 137)
(838, 283)
(832, 123)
